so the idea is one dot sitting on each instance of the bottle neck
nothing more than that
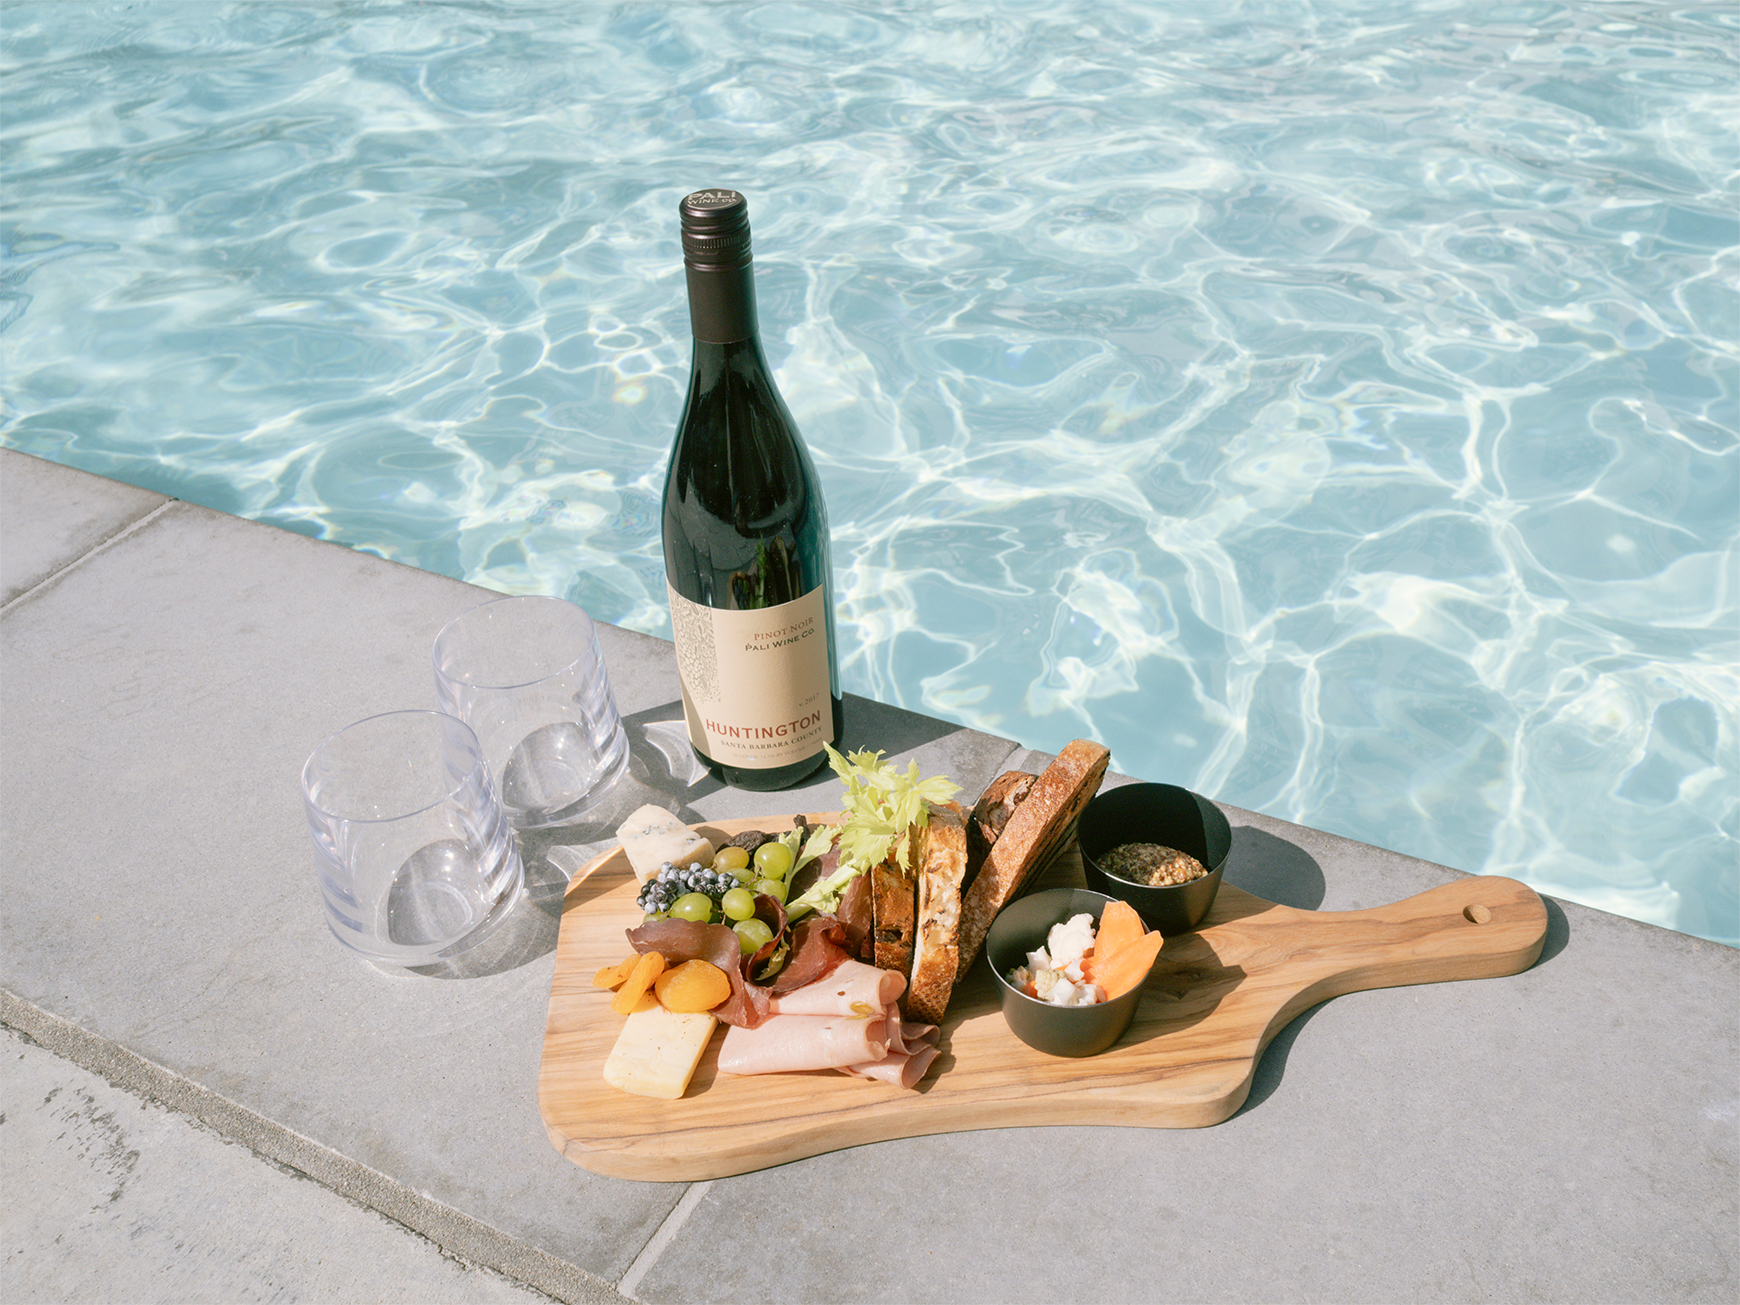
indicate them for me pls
(722, 304)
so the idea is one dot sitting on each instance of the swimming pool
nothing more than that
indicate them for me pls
(1328, 406)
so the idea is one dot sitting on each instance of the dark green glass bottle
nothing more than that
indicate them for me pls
(745, 534)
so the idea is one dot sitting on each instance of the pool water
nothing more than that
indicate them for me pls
(1329, 406)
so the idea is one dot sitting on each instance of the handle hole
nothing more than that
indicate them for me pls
(1476, 914)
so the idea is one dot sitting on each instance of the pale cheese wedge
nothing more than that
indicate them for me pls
(656, 1053)
(652, 836)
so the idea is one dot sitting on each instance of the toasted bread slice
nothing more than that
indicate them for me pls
(991, 814)
(1036, 831)
(894, 909)
(936, 944)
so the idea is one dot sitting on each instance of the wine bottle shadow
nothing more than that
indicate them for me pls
(892, 731)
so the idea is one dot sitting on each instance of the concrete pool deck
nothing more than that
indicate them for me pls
(187, 1046)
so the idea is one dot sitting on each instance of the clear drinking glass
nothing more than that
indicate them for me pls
(416, 860)
(526, 674)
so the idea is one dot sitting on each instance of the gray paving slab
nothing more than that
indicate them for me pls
(50, 516)
(111, 1216)
(1567, 1134)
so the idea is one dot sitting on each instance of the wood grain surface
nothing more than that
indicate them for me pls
(1214, 1000)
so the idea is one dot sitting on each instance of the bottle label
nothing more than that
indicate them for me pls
(755, 683)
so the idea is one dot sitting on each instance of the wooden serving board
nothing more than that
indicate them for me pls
(1215, 999)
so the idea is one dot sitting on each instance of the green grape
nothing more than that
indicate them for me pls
(731, 859)
(773, 888)
(652, 917)
(693, 906)
(773, 860)
(738, 903)
(753, 935)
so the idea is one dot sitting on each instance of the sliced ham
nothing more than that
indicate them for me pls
(908, 1035)
(852, 989)
(784, 1043)
(902, 1071)
(849, 1021)
(911, 1048)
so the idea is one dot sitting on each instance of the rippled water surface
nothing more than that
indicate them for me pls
(1330, 406)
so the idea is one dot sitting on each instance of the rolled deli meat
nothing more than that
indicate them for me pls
(901, 1071)
(794, 1042)
(854, 988)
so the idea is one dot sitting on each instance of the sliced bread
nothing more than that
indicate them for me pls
(894, 908)
(1035, 832)
(991, 814)
(936, 942)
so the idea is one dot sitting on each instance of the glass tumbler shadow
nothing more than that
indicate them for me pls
(416, 860)
(526, 674)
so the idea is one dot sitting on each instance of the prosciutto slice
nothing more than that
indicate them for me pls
(684, 940)
(817, 945)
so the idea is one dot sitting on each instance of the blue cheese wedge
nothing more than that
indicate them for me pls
(652, 836)
(656, 1053)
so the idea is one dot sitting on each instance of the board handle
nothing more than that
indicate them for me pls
(1481, 927)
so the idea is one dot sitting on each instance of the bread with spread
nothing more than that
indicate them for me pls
(936, 941)
(894, 906)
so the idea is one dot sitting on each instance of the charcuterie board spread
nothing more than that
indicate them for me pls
(1214, 1000)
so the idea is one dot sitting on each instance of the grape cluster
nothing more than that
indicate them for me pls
(661, 892)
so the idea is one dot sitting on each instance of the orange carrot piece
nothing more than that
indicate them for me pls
(647, 967)
(1119, 927)
(1128, 967)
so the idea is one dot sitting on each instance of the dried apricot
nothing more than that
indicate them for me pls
(647, 967)
(614, 976)
(692, 986)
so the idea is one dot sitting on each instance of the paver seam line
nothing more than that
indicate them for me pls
(121, 535)
(455, 1232)
(667, 1232)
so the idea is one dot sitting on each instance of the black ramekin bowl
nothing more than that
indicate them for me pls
(1021, 927)
(1156, 813)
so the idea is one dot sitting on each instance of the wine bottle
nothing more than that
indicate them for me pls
(745, 534)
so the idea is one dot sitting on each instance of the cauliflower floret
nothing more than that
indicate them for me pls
(1068, 941)
(1065, 993)
(1055, 970)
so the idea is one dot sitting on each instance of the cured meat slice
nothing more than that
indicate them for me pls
(783, 1043)
(911, 1049)
(902, 1071)
(907, 1035)
(852, 989)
